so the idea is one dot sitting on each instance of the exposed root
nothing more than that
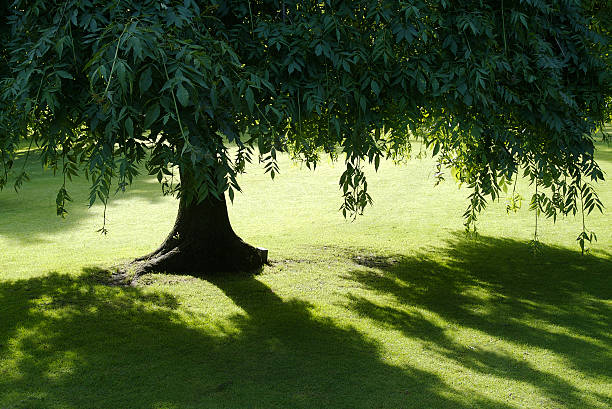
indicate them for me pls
(188, 258)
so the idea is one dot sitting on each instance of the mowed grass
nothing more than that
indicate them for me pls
(398, 309)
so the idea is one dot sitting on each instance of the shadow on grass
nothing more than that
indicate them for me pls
(603, 152)
(73, 342)
(557, 301)
(29, 216)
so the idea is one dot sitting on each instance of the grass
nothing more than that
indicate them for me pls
(397, 309)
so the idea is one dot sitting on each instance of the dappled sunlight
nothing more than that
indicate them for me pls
(118, 344)
(462, 323)
(554, 307)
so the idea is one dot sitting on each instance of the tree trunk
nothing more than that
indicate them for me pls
(202, 241)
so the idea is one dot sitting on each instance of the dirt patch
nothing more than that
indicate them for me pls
(374, 261)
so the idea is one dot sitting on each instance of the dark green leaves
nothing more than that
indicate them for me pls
(182, 95)
(491, 91)
(129, 127)
(250, 98)
(151, 116)
(375, 87)
(145, 81)
(63, 74)
(60, 202)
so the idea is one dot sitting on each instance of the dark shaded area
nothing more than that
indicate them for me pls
(557, 300)
(128, 348)
(603, 152)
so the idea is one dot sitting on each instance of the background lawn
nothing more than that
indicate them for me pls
(396, 309)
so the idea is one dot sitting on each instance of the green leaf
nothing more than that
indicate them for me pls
(151, 116)
(121, 74)
(421, 82)
(182, 95)
(129, 127)
(462, 88)
(375, 87)
(145, 81)
(250, 98)
(435, 85)
(346, 66)
(436, 148)
(64, 74)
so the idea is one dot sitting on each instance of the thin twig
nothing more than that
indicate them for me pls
(110, 76)
(178, 117)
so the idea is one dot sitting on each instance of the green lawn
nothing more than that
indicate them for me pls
(398, 309)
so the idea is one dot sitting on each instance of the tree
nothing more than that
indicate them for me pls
(492, 88)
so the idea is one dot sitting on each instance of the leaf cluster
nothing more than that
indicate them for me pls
(493, 88)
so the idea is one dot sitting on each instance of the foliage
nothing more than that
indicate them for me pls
(494, 89)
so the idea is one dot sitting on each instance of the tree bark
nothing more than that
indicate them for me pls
(202, 241)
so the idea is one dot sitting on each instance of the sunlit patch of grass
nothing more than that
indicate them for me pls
(396, 309)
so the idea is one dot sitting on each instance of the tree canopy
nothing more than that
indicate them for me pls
(495, 89)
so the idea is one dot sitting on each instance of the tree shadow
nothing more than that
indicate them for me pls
(603, 152)
(70, 341)
(29, 216)
(556, 300)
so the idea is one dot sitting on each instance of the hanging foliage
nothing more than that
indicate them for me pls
(493, 88)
